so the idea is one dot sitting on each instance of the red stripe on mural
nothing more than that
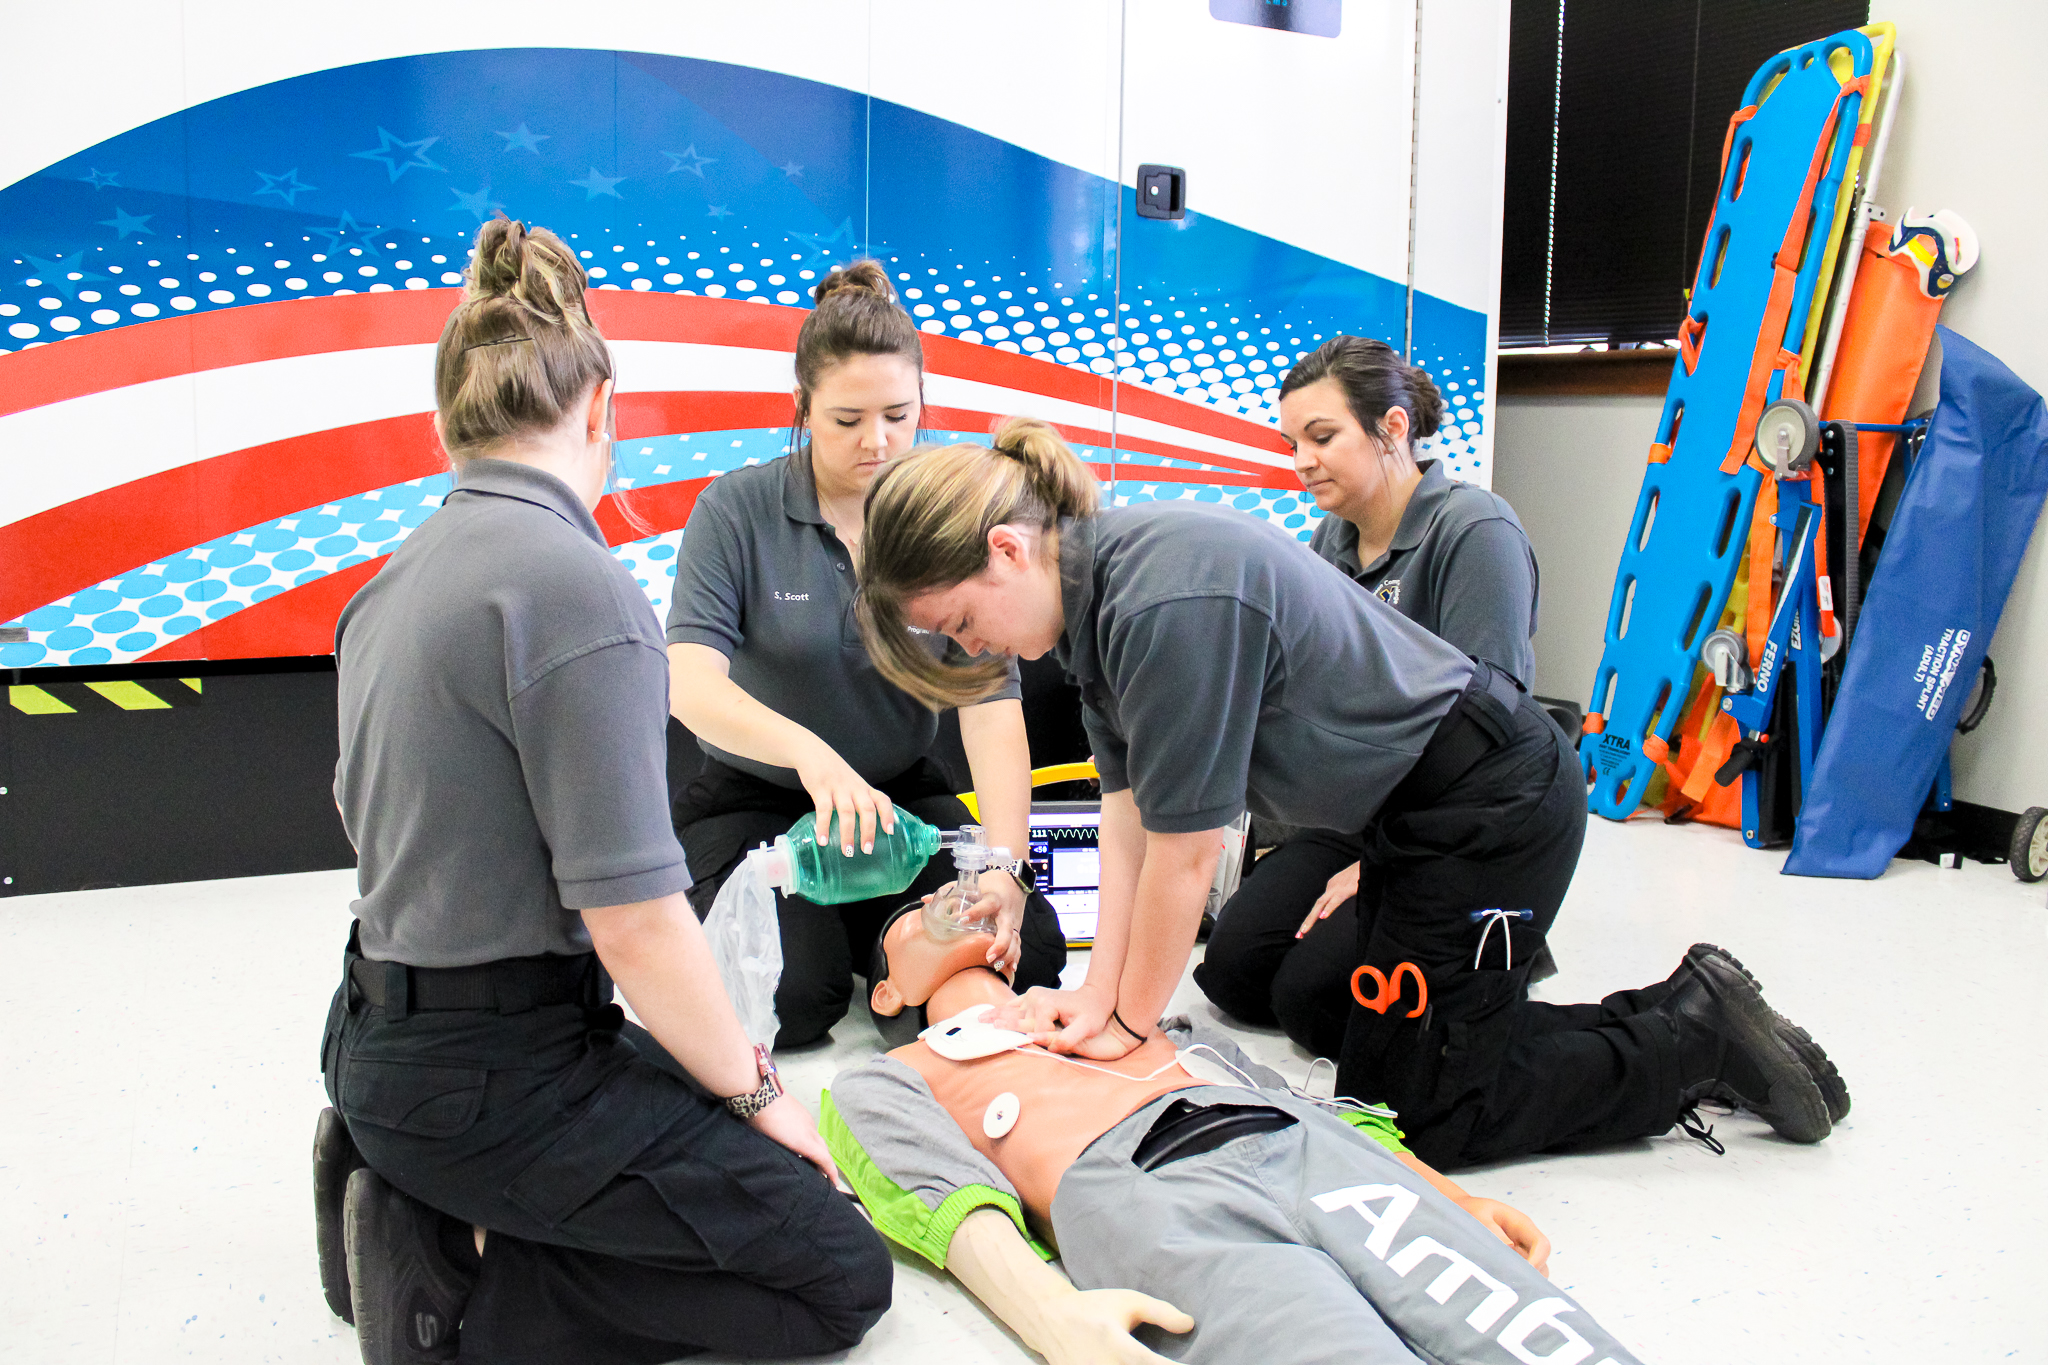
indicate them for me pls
(168, 347)
(91, 539)
(1246, 474)
(80, 543)
(296, 622)
(59, 551)
(163, 349)
(661, 507)
(673, 413)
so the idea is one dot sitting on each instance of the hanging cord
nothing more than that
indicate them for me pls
(1493, 917)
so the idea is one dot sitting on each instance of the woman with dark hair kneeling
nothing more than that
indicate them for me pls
(1449, 556)
(1224, 666)
(546, 1179)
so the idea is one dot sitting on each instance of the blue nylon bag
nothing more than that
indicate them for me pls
(1962, 523)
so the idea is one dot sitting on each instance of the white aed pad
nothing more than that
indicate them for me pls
(1001, 1115)
(968, 1036)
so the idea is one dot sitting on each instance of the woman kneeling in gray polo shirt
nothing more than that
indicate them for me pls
(1449, 556)
(555, 1182)
(768, 670)
(1223, 666)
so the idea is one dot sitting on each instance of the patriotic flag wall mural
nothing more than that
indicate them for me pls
(218, 327)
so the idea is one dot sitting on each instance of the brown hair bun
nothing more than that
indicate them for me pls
(863, 275)
(520, 348)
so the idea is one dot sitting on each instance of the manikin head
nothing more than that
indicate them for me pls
(927, 966)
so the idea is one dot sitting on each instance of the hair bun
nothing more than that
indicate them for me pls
(863, 276)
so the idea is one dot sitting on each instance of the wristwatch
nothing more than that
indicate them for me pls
(1022, 872)
(746, 1106)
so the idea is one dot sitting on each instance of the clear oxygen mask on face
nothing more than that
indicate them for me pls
(947, 914)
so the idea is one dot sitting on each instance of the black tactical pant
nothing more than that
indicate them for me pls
(1484, 1073)
(725, 812)
(631, 1218)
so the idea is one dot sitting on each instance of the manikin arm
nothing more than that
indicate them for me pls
(1067, 1326)
(1504, 1221)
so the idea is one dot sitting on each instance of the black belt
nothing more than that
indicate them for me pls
(1480, 721)
(511, 986)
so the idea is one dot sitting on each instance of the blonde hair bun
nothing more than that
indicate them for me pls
(520, 348)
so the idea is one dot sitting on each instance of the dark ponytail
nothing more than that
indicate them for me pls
(1374, 379)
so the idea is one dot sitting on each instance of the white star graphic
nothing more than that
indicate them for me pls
(524, 139)
(478, 202)
(286, 187)
(124, 223)
(595, 184)
(400, 156)
(688, 160)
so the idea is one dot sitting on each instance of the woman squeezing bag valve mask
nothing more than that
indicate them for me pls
(768, 670)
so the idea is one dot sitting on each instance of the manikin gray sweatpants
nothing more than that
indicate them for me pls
(1307, 1245)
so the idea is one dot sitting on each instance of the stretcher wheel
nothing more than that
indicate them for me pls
(1788, 436)
(2028, 852)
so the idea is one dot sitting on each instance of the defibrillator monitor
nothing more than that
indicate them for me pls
(1066, 856)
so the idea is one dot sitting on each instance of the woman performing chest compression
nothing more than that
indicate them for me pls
(1223, 666)
(1449, 556)
(556, 1182)
(768, 670)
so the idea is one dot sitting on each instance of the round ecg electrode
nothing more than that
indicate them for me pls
(1001, 1115)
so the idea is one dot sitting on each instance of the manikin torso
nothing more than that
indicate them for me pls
(1062, 1107)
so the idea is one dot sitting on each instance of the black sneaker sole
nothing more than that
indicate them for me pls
(335, 1159)
(1791, 1103)
(1833, 1089)
(407, 1300)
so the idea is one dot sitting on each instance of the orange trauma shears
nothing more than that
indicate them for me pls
(1390, 991)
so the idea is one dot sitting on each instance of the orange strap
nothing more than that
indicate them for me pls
(1740, 117)
(1689, 333)
(1769, 355)
(1714, 751)
(1659, 453)
(1594, 724)
(1390, 991)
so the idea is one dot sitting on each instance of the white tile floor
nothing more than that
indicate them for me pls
(158, 1070)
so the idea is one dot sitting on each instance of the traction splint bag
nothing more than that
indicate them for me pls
(1962, 523)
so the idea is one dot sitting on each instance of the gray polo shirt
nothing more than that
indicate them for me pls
(764, 579)
(1460, 566)
(1223, 666)
(504, 703)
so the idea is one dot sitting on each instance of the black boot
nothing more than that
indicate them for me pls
(407, 1281)
(1729, 1050)
(335, 1158)
(1825, 1074)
